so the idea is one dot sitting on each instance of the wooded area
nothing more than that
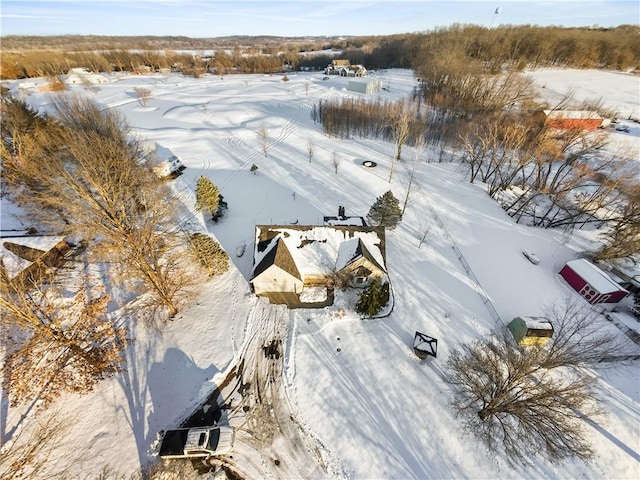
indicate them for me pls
(465, 46)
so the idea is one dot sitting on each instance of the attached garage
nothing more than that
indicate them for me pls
(594, 285)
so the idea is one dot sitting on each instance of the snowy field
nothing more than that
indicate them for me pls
(378, 410)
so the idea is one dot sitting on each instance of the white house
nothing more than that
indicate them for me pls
(345, 69)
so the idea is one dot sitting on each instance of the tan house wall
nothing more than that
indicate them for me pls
(364, 262)
(274, 279)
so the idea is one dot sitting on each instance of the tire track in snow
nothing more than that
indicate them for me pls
(288, 449)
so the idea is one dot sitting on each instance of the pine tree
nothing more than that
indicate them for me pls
(207, 196)
(371, 299)
(210, 254)
(385, 211)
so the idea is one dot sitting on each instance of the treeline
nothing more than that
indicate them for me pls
(53, 64)
(514, 47)
(470, 47)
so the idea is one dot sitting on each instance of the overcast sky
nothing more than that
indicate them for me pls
(202, 18)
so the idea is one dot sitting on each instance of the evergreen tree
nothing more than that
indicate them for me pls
(210, 254)
(385, 211)
(207, 196)
(372, 299)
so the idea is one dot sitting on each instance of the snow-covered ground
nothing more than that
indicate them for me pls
(356, 385)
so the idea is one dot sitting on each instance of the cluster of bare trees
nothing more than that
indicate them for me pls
(397, 121)
(543, 176)
(553, 178)
(533, 401)
(52, 64)
(79, 175)
(520, 46)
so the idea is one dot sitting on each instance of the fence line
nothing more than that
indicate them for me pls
(467, 268)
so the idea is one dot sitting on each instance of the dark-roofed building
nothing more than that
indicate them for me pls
(278, 268)
(291, 258)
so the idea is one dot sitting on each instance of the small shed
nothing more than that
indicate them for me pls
(365, 85)
(531, 330)
(593, 284)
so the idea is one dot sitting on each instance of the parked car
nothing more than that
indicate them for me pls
(169, 168)
(200, 442)
(622, 128)
(532, 257)
(635, 309)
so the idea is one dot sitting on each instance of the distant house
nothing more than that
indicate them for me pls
(345, 69)
(365, 85)
(29, 258)
(288, 259)
(568, 119)
(593, 284)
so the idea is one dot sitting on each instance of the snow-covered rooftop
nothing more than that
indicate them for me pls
(598, 279)
(537, 323)
(320, 250)
(575, 114)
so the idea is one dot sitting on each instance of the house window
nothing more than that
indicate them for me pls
(360, 280)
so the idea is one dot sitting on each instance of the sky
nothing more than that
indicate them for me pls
(201, 18)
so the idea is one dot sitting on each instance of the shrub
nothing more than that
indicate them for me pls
(210, 254)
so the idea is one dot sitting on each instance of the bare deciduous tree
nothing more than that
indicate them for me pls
(88, 171)
(419, 148)
(623, 238)
(58, 345)
(143, 94)
(336, 160)
(531, 401)
(264, 139)
(310, 149)
(400, 117)
(27, 451)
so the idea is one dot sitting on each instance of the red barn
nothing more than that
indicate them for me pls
(592, 283)
(567, 119)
